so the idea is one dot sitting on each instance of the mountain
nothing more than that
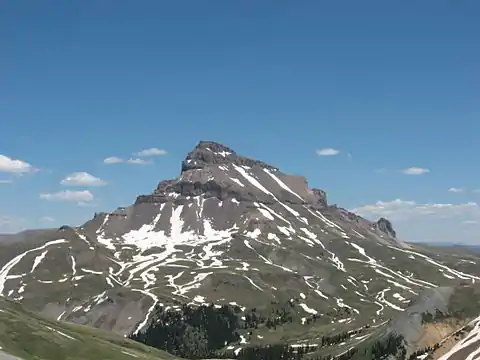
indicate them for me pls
(235, 249)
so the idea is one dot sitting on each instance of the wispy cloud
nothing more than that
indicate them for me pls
(150, 152)
(82, 179)
(405, 209)
(113, 160)
(138, 161)
(47, 219)
(81, 196)
(455, 190)
(415, 171)
(5, 181)
(133, 161)
(327, 152)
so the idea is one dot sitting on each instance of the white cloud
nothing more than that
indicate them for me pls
(133, 161)
(112, 160)
(15, 166)
(81, 196)
(47, 219)
(455, 190)
(151, 152)
(405, 209)
(424, 222)
(415, 171)
(327, 152)
(82, 179)
(137, 161)
(5, 181)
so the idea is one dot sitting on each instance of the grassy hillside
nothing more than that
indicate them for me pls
(32, 337)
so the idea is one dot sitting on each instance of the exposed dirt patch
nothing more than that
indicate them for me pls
(434, 333)
(447, 333)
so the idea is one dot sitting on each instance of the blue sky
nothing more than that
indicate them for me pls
(390, 85)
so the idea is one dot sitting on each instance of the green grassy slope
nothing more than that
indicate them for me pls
(32, 337)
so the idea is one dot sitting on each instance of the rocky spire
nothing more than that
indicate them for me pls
(386, 226)
(320, 196)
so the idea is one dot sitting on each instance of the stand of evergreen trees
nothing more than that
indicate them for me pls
(285, 352)
(272, 352)
(427, 350)
(392, 345)
(193, 332)
(431, 318)
(199, 332)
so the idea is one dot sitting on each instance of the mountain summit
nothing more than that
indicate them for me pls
(209, 153)
(245, 191)
(228, 230)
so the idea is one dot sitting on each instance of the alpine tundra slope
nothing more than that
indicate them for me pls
(231, 230)
(25, 335)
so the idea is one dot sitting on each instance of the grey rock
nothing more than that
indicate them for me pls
(386, 226)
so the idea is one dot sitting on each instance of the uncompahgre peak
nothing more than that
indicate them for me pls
(228, 230)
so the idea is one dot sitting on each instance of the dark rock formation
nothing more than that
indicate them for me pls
(386, 226)
(321, 197)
